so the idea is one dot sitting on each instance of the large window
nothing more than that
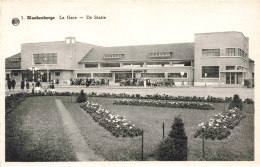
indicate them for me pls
(110, 64)
(210, 52)
(158, 64)
(133, 64)
(45, 58)
(83, 75)
(91, 65)
(177, 75)
(230, 67)
(210, 71)
(153, 75)
(103, 75)
(230, 51)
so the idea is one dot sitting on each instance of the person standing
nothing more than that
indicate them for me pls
(86, 83)
(22, 85)
(27, 86)
(13, 83)
(9, 84)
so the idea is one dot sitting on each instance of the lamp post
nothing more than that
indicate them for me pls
(33, 69)
(132, 71)
(205, 78)
(182, 73)
(46, 67)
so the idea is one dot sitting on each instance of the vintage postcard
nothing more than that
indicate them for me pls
(129, 83)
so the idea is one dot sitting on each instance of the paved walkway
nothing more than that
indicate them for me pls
(174, 91)
(81, 148)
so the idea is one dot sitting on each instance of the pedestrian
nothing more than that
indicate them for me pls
(52, 88)
(27, 86)
(108, 82)
(22, 85)
(13, 83)
(38, 87)
(9, 84)
(87, 82)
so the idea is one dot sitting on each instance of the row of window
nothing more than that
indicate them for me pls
(234, 68)
(148, 64)
(229, 52)
(103, 75)
(160, 54)
(113, 56)
(148, 75)
(162, 75)
(15, 59)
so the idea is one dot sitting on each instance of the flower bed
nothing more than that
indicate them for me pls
(116, 124)
(13, 100)
(219, 127)
(190, 105)
(163, 97)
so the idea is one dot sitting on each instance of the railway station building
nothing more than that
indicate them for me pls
(220, 58)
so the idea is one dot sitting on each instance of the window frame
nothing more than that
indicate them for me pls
(53, 57)
(230, 51)
(209, 77)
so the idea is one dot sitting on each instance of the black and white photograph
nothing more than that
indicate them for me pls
(150, 82)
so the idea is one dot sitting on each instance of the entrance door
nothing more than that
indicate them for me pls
(44, 77)
(233, 78)
(227, 78)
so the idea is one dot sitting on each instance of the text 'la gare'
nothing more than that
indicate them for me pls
(86, 17)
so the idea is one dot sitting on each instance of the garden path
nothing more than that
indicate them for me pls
(80, 146)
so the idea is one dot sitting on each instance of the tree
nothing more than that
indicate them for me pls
(174, 147)
(82, 97)
(236, 102)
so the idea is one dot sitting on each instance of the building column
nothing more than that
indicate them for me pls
(113, 77)
(166, 75)
(235, 78)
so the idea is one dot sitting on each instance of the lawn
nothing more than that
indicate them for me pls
(34, 132)
(239, 147)
(40, 123)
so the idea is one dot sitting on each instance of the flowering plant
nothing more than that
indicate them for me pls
(158, 103)
(219, 126)
(117, 125)
(163, 97)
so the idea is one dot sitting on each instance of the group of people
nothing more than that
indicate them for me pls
(11, 84)
(92, 81)
(38, 87)
(25, 85)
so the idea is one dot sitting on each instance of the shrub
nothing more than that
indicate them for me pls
(174, 147)
(236, 102)
(82, 97)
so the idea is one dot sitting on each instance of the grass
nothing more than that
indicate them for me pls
(150, 119)
(34, 132)
(38, 129)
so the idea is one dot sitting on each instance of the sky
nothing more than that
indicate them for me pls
(127, 22)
